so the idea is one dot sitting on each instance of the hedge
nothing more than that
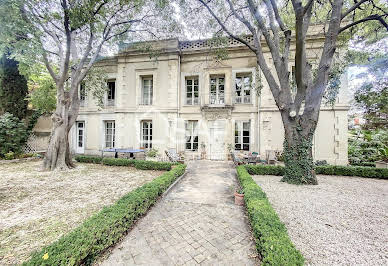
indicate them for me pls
(102, 230)
(271, 236)
(361, 171)
(139, 164)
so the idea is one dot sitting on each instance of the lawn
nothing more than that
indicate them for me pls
(341, 221)
(36, 208)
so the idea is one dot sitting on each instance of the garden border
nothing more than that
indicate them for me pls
(359, 171)
(271, 236)
(102, 230)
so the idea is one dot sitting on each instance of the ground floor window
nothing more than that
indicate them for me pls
(191, 135)
(110, 131)
(242, 135)
(146, 134)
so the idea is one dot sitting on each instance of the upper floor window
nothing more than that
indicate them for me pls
(191, 135)
(146, 134)
(111, 93)
(110, 131)
(82, 94)
(242, 93)
(242, 135)
(147, 91)
(217, 90)
(192, 91)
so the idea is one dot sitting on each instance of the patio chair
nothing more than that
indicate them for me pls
(237, 161)
(252, 159)
(270, 156)
(173, 156)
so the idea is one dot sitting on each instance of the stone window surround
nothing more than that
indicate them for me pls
(251, 132)
(192, 134)
(108, 117)
(113, 140)
(237, 71)
(185, 75)
(149, 142)
(140, 73)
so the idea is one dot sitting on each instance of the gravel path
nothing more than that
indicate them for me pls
(342, 221)
(36, 208)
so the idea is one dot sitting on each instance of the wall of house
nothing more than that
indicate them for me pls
(169, 110)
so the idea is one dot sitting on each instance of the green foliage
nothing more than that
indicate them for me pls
(9, 156)
(271, 236)
(138, 164)
(368, 146)
(299, 162)
(102, 230)
(153, 152)
(371, 96)
(13, 88)
(360, 171)
(13, 134)
(88, 159)
(96, 85)
(43, 92)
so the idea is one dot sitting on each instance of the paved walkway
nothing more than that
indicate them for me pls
(196, 223)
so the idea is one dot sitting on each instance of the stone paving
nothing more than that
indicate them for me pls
(196, 223)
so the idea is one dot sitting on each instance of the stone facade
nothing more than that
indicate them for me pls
(185, 100)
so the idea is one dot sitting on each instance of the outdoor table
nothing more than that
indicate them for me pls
(116, 151)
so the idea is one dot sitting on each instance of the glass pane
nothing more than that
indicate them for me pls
(246, 140)
(246, 147)
(188, 138)
(237, 146)
(196, 88)
(189, 89)
(237, 140)
(188, 146)
(213, 89)
(195, 146)
(213, 81)
(81, 125)
(246, 125)
(221, 81)
(196, 82)
(247, 81)
(195, 139)
(221, 88)
(246, 133)
(189, 82)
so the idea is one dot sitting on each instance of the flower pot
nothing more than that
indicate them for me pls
(238, 198)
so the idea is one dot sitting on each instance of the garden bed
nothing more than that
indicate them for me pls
(341, 221)
(36, 208)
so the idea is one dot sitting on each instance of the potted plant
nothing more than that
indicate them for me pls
(239, 196)
(203, 150)
(152, 154)
(230, 149)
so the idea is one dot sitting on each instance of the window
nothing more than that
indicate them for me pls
(80, 134)
(217, 90)
(243, 87)
(82, 94)
(147, 91)
(111, 93)
(242, 135)
(192, 91)
(110, 134)
(191, 135)
(146, 134)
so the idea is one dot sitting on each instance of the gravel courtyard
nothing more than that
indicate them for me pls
(36, 208)
(341, 221)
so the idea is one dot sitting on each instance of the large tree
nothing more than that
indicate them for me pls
(68, 36)
(13, 88)
(279, 25)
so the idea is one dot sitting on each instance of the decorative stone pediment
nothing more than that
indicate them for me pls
(215, 112)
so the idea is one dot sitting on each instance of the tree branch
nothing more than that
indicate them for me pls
(371, 17)
(352, 8)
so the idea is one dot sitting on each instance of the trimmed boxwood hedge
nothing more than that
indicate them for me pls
(100, 231)
(271, 236)
(139, 164)
(361, 171)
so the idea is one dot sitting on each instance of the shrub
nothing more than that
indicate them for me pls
(152, 152)
(88, 159)
(271, 237)
(9, 156)
(13, 134)
(361, 171)
(102, 230)
(265, 169)
(139, 164)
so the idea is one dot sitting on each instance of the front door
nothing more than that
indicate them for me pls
(217, 147)
(80, 140)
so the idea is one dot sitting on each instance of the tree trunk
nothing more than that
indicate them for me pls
(58, 155)
(298, 158)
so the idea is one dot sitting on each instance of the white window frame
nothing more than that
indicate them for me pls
(191, 130)
(147, 101)
(218, 98)
(112, 126)
(194, 89)
(110, 101)
(146, 140)
(239, 135)
(243, 98)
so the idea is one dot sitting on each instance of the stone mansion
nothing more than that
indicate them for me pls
(185, 100)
